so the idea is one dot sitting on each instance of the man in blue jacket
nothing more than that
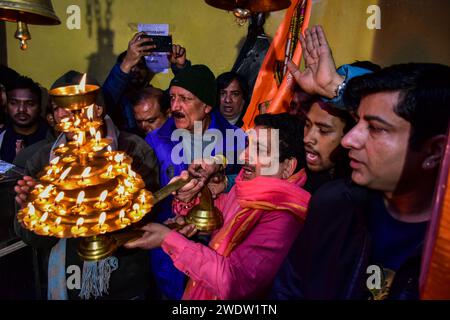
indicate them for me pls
(193, 100)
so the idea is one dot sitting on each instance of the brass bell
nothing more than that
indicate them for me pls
(27, 12)
(205, 216)
(251, 5)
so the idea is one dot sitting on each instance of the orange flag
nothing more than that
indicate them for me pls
(272, 89)
(435, 271)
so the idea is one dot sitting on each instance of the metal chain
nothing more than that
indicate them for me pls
(97, 11)
(89, 16)
(108, 15)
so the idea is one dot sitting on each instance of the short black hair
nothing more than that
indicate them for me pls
(224, 80)
(368, 65)
(7, 76)
(22, 82)
(290, 134)
(343, 114)
(424, 96)
(155, 93)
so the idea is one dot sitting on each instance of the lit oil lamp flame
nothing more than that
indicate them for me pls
(142, 198)
(97, 137)
(55, 161)
(80, 139)
(110, 169)
(46, 192)
(92, 131)
(85, 173)
(90, 112)
(31, 209)
(131, 173)
(135, 207)
(82, 86)
(128, 184)
(43, 218)
(103, 195)
(65, 120)
(49, 171)
(121, 214)
(80, 222)
(65, 174)
(102, 219)
(80, 198)
(121, 190)
(77, 122)
(58, 221)
(59, 197)
(118, 158)
(109, 149)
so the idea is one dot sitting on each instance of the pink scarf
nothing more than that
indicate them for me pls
(256, 197)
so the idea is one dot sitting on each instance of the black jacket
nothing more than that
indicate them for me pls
(330, 257)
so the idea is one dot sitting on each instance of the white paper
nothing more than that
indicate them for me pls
(157, 62)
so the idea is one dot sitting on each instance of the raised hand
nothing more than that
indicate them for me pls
(178, 56)
(320, 76)
(136, 50)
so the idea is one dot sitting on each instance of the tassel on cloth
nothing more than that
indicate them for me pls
(96, 276)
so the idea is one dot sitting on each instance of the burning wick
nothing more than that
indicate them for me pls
(65, 174)
(80, 198)
(135, 214)
(55, 160)
(101, 204)
(85, 173)
(46, 193)
(81, 88)
(102, 228)
(56, 228)
(122, 221)
(97, 138)
(142, 198)
(59, 197)
(118, 158)
(90, 112)
(109, 171)
(79, 229)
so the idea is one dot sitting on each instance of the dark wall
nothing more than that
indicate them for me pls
(413, 31)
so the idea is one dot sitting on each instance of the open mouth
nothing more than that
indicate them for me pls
(311, 156)
(178, 115)
(248, 170)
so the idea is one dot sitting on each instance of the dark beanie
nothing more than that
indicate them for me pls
(199, 81)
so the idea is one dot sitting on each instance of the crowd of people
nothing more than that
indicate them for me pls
(356, 160)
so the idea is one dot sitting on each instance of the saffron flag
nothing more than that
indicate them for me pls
(435, 271)
(273, 92)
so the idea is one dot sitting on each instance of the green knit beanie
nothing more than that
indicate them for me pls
(198, 80)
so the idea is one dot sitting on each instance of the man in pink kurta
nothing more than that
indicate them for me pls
(262, 213)
(248, 270)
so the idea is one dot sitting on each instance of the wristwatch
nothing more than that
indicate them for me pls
(340, 88)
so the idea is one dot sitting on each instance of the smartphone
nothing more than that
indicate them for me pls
(163, 43)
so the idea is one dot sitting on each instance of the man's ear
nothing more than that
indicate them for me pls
(50, 119)
(208, 109)
(434, 152)
(288, 167)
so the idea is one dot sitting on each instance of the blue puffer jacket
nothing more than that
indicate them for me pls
(171, 281)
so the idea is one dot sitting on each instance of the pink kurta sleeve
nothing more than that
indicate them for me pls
(251, 267)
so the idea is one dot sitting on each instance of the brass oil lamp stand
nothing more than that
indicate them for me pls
(89, 190)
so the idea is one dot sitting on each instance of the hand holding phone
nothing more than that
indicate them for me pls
(161, 43)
